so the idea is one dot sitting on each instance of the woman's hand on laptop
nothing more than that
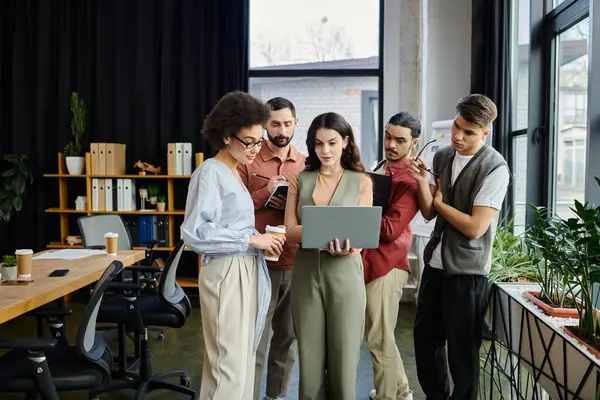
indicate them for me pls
(335, 249)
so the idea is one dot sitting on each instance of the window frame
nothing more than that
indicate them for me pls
(286, 72)
(546, 24)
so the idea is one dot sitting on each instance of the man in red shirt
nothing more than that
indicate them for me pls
(277, 161)
(387, 267)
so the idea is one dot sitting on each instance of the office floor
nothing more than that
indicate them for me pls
(183, 349)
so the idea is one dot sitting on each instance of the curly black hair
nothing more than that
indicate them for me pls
(233, 112)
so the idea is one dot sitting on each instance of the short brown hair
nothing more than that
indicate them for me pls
(234, 111)
(477, 109)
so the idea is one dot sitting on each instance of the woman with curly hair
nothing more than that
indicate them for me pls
(328, 291)
(234, 284)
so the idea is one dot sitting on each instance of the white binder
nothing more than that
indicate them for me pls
(95, 194)
(120, 195)
(108, 191)
(178, 158)
(127, 189)
(187, 159)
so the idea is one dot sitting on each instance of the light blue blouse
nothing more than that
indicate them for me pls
(218, 222)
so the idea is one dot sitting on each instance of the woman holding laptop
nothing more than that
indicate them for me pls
(327, 290)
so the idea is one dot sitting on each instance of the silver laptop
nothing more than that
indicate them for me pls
(322, 224)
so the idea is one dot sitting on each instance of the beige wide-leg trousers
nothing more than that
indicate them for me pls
(383, 301)
(228, 302)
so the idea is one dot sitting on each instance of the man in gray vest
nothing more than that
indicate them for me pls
(464, 188)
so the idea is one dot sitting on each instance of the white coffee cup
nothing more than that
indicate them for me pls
(112, 240)
(279, 231)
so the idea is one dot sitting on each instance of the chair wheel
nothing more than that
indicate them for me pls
(161, 336)
(185, 381)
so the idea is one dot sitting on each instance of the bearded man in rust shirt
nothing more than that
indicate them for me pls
(277, 161)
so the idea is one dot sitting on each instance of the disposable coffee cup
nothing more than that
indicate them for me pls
(276, 230)
(24, 259)
(112, 239)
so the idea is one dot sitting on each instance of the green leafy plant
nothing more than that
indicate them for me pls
(13, 185)
(510, 256)
(161, 199)
(547, 250)
(582, 260)
(9, 261)
(570, 249)
(153, 190)
(78, 112)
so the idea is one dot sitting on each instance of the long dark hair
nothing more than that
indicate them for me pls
(350, 156)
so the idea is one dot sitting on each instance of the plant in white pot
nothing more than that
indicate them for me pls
(9, 268)
(75, 161)
(153, 192)
(160, 205)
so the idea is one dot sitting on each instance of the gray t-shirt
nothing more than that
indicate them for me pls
(491, 194)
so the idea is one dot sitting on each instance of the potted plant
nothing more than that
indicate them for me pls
(548, 244)
(9, 268)
(160, 205)
(13, 185)
(582, 260)
(510, 256)
(153, 193)
(74, 159)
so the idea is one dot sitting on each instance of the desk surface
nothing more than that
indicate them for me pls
(17, 300)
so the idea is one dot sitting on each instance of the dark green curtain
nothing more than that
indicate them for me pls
(491, 70)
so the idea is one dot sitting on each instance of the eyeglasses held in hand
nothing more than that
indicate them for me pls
(437, 175)
(250, 144)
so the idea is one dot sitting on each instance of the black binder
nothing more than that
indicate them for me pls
(381, 190)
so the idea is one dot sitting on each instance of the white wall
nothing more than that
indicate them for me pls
(431, 36)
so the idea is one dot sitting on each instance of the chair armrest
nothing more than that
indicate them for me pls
(50, 312)
(34, 344)
(145, 269)
(153, 242)
(96, 247)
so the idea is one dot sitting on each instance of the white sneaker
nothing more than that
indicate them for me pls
(408, 396)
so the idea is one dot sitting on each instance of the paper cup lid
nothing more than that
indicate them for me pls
(111, 234)
(275, 229)
(22, 252)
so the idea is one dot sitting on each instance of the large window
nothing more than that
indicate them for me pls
(323, 56)
(570, 128)
(563, 115)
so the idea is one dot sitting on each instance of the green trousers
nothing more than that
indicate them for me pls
(328, 308)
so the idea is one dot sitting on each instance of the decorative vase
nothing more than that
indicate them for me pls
(160, 206)
(75, 165)
(9, 273)
(153, 200)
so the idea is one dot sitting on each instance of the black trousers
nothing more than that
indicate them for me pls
(450, 309)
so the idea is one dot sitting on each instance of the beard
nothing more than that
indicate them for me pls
(280, 141)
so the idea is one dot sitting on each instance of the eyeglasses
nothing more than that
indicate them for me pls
(437, 175)
(251, 144)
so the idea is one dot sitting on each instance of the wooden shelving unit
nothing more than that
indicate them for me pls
(64, 211)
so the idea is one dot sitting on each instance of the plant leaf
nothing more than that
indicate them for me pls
(17, 203)
(9, 172)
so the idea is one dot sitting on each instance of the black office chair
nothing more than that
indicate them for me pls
(169, 308)
(40, 366)
(93, 228)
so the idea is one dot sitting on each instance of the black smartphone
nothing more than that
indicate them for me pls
(59, 272)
